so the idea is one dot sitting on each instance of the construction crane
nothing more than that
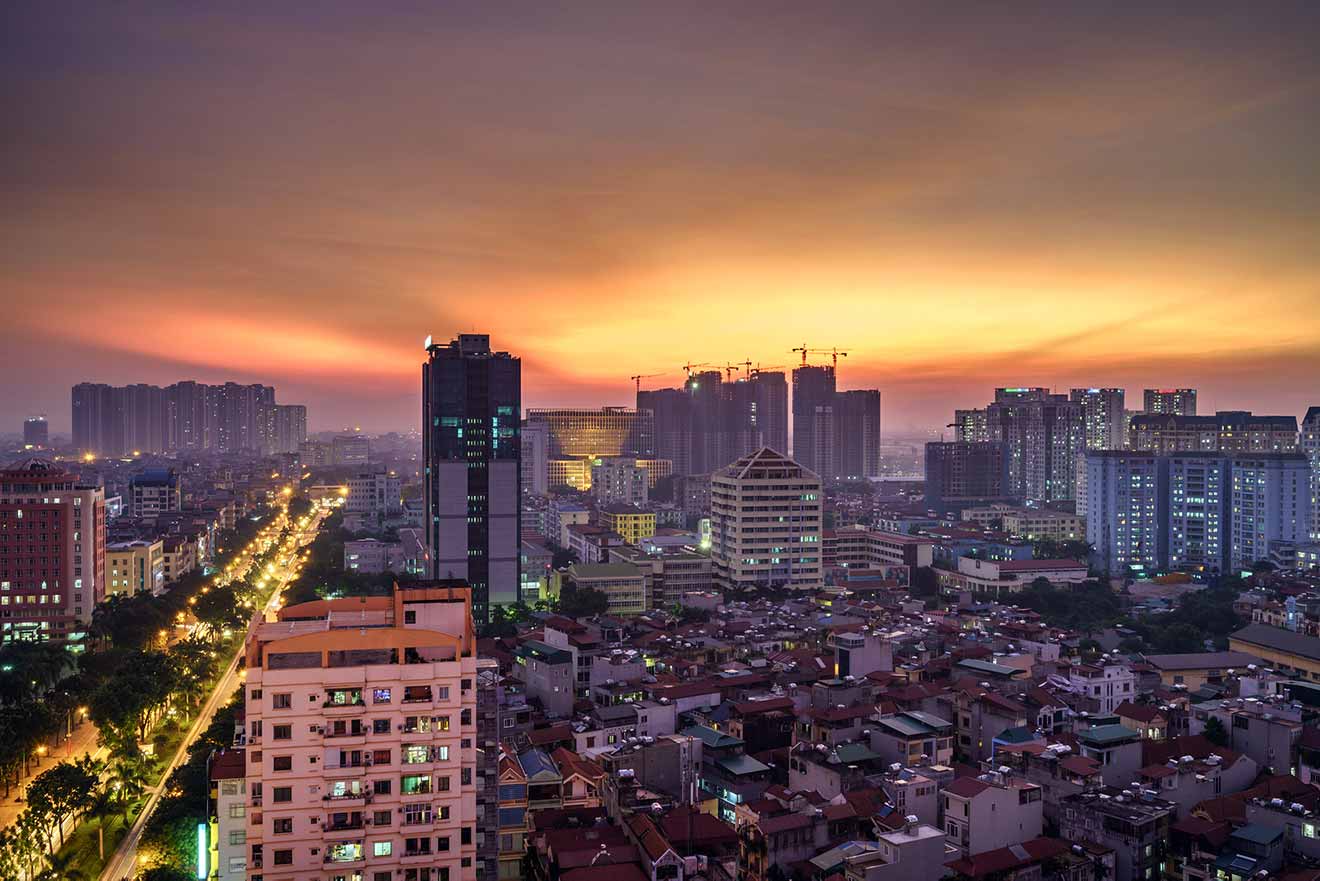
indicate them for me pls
(731, 369)
(833, 353)
(753, 371)
(639, 377)
(688, 368)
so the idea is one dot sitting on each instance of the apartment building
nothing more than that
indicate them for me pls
(631, 523)
(766, 523)
(619, 480)
(360, 734)
(135, 567)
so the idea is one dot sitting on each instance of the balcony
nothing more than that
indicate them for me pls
(363, 796)
(345, 770)
(344, 709)
(346, 826)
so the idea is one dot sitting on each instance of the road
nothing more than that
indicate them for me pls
(122, 863)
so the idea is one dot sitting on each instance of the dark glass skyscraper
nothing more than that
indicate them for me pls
(471, 407)
(813, 389)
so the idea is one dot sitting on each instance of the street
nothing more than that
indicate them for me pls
(121, 864)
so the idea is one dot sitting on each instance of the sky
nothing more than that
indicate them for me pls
(959, 195)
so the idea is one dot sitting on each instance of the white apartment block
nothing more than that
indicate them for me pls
(766, 523)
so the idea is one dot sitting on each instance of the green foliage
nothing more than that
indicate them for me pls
(1088, 606)
(1204, 614)
(1054, 549)
(62, 790)
(122, 705)
(582, 602)
(1215, 732)
(925, 582)
(165, 873)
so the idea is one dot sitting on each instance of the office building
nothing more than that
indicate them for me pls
(766, 524)
(1103, 416)
(576, 437)
(1169, 401)
(52, 553)
(1310, 446)
(36, 432)
(813, 396)
(471, 398)
(141, 419)
(619, 480)
(364, 711)
(965, 474)
(1228, 431)
(350, 449)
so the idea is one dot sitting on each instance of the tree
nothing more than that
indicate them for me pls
(501, 624)
(63, 790)
(925, 582)
(582, 602)
(62, 866)
(123, 704)
(164, 873)
(1215, 732)
(129, 776)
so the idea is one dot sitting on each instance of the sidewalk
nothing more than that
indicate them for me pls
(82, 741)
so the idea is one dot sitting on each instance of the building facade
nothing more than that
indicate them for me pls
(362, 739)
(766, 523)
(471, 398)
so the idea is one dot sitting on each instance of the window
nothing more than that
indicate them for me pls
(409, 617)
(282, 701)
(465, 835)
(465, 718)
(380, 696)
(343, 852)
(380, 757)
(442, 784)
(443, 693)
(281, 825)
(441, 723)
(237, 836)
(382, 848)
(380, 726)
(442, 753)
(237, 811)
(442, 843)
(380, 787)
(443, 812)
(281, 732)
(415, 784)
(415, 753)
(281, 763)
(382, 818)
(1308, 830)
(283, 858)
(417, 813)
(282, 794)
(465, 776)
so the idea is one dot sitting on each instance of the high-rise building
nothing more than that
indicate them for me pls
(1310, 445)
(374, 493)
(1270, 502)
(377, 773)
(710, 440)
(962, 474)
(770, 399)
(471, 400)
(290, 428)
(535, 457)
(1199, 512)
(1043, 434)
(1126, 494)
(857, 434)
(139, 419)
(1169, 401)
(971, 425)
(671, 416)
(36, 432)
(766, 523)
(52, 553)
(813, 388)
(1228, 431)
(1103, 416)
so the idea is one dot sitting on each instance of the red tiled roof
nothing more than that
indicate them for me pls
(966, 787)
(1005, 858)
(651, 839)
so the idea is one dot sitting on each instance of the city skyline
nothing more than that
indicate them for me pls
(1065, 197)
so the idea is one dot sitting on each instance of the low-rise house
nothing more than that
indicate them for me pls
(1148, 720)
(916, 852)
(913, 738)
(991, 811)
(1116, 748)
(1195, 669)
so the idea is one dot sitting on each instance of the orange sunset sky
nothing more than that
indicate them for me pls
(962, 195)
